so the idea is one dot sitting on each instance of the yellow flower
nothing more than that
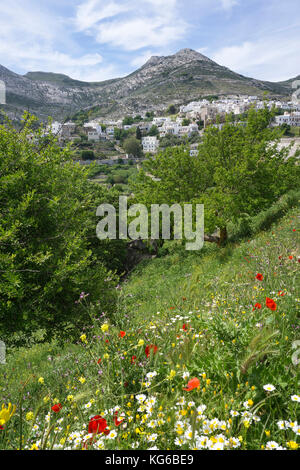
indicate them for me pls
(105, 356)
(292, 445)
(105, 327)
(46, 399)
(6, 413)
(268, 433)
(172, 374)
(70, 398)
(141, 342)
(83, 338)
(34, 447)
(81, 380)
(41, 380)
(29, 416)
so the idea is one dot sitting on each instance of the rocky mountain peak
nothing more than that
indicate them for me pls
(191, 54)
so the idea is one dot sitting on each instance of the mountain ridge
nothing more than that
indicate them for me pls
(184, 76)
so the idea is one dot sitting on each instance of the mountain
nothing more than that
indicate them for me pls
(179, 78)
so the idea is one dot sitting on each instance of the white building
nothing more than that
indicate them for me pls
(150, 144)
(289, 119)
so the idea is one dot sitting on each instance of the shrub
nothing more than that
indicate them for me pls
(49, 252)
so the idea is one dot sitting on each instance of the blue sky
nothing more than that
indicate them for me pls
(94, 40)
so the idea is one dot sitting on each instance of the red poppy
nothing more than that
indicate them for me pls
(258, 306)
(193, 383)
(122, 334)
(106, 341)
(185, 327)
(148, 349)
(97, 425)
(116, 421)
(281, 293)
(1, 428)
(271, 304)
(99, 360)
(290, 257)
(57, 407)
(294, 230)
(259, 277)
(133, 359)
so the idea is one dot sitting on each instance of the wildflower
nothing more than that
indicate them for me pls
(257, 306)
(29, 416)
(271, 445)
(194, 383)
(141, 342)
(81, 380)
(172, 374)
(105, 327)
(292, 445)
(150, 347)
(6, 413)
(105, 356)
(271, 304)
(83, 339)
(269, 387)
(259, 277)
(116, 420)
(295, 398)
(97, 425)
(56, 408)
(41, 380)
(133, 359)
(122, 334)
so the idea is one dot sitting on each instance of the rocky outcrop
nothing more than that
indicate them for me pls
(179, 78)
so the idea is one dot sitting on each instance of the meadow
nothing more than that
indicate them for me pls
(201, 353)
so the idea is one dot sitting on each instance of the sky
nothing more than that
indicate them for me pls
(95, 40)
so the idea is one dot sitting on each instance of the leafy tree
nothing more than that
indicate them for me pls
(128, 121)
(49, 252)
(138, 133)
(171, 109)
(186, 122)
(132, 146)
(238, 173)
(154, 131)
(87, 155)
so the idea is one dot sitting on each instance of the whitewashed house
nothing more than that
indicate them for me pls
(150, 144)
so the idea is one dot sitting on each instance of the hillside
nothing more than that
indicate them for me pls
(179, 78)
(195, 357)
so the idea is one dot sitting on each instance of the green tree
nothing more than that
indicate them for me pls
(87, 155)
(154, 131)
(132, 146)
(138, 133)
(239, 172)
(49, 252)
(171, 109)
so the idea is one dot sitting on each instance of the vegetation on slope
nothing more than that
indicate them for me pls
(195, 358)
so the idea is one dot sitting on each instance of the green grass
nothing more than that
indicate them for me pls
(198, 309)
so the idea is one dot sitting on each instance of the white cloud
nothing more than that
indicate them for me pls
(271, 58)
(133, 25)
(91, 12)
(141, 59)
(228, 4)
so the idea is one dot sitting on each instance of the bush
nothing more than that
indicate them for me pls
(49, 252)
(87, 155)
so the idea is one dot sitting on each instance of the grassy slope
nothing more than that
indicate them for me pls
(213, 292)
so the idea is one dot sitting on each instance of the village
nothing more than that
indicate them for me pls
(105, 140)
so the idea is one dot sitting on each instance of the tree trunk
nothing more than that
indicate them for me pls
(223, 236)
